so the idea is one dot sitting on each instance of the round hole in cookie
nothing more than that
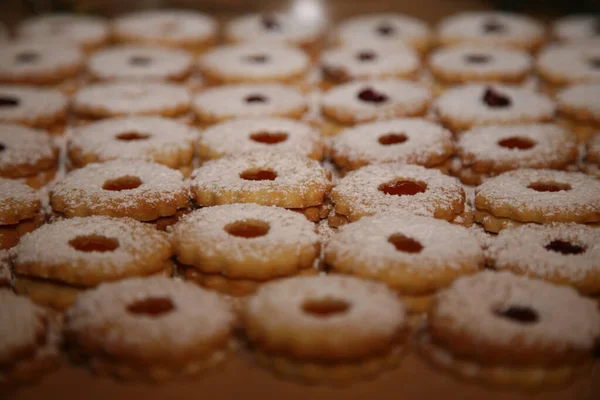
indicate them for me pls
(371, 95)
(477, 58)
(96, 243)
(549, 186)
(248, 228)
(495, 99)
(517, 142)
(2, 147)
(403, 187)
(366, 55)
(564, 247)
(257, 58)
(326, 307)
(392, 138)
(258, 175)
(405, 244)
(270, 22)
(126, 182)
(594, 62)
(132, 136)
(151, 306)
(255, 98)
(140, 61)
(386, 29)
(27, 57)
(9, 101)
(519, 314)
(269, 137)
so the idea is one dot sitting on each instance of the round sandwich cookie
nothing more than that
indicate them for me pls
(34, 107)
(20, 213)
(579, 109)
(576, 27)
(583, 65)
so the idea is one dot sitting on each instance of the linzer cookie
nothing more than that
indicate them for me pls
(59, 261)
(90, 33)
(466, 106)
(488, 151)
(29, 341)
(349, 328)
(276, 28)
(576, 27)
(592, 157)
(140, 190)
(537, 195)
(140, 63)
(156, 139)
(150, 329)
(104, 100)
(365, 101)
(385, 29)
(580, 110)
(264, 177)
(35, 107)
(566, 254)
(478, 63)
(344, 64)
(252, 63)
(245, 135)
(583, 64)
(39, 63)
(416, 256)
(511, 331)
(248, 100)
(189, 30)
(396, 187)
(20, 211)
(491, 28)
(27, 154)
(235, 248)
(408, 140)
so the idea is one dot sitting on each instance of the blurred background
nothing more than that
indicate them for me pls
(429, 10)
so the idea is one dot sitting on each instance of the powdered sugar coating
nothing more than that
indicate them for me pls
(471, 301)
(296, 176)
(24, 146)
(169, 26)
(553, 146)
(523, 250)
(510, 191)
(385, 63)
(363, 30)
(48, 59)
(121, 98)
(289, 29)
(426, 143)
(551, 62)
(23, 325)
(234, 137)
(141, 248)
(365, 243)
(33, 103)
(154, 63)
(360, 189)
(229, 101)
(234, 62)
(374, 311)
(167, 141)
(465, 104)
(16, 196)
(404, 99)
(83, 30)
(581, 98)
(205, 229)
(469, 27)
(576, 27)
(84, 186)
(197, 319)
(501, 62)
